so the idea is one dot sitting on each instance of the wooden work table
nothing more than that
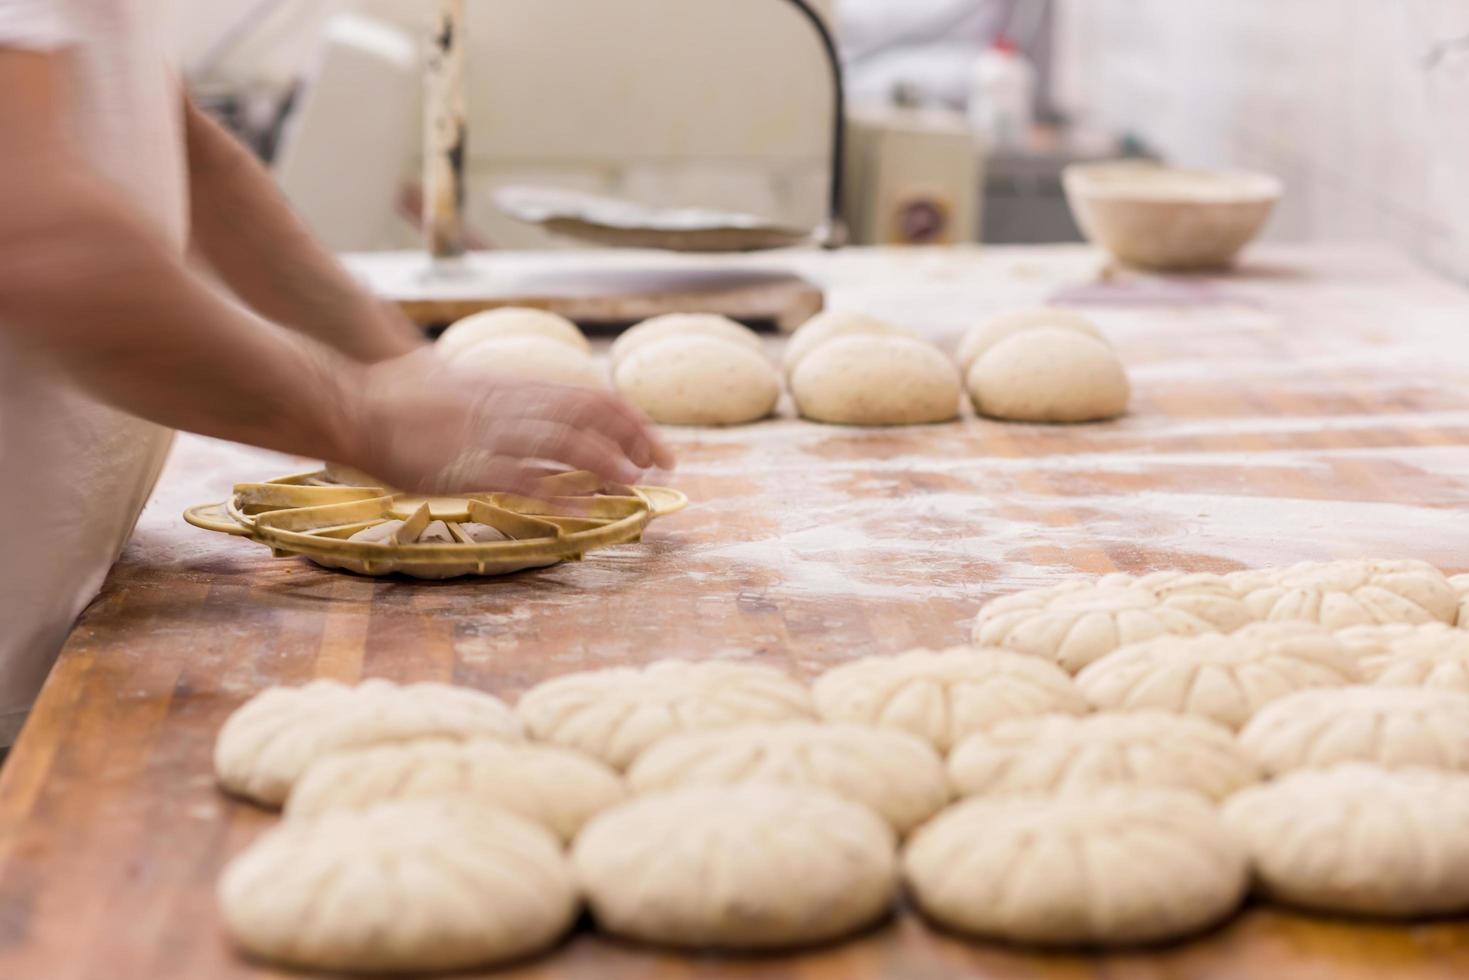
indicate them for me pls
(1313, 405)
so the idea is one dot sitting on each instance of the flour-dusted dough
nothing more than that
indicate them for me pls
(510, 321)
(876, 380)
(981, 338)
(1049, 374)
(414, 886)
(1058, 754)
(897, 775)
(1338, 594)
(533, 359)
(682, 325)
(1226, 678)
(616, 713)
(270, 740)
(1394, 727)
(1076, 623)
(556, 788)
(699, 380)
(1120, 865)
(1359, 839)
(1432, 655)
(752, 866)
(826, 327)
(943, 695)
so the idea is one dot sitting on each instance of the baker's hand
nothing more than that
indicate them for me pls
(424, 425)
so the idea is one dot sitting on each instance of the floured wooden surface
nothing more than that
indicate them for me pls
(1314, 405)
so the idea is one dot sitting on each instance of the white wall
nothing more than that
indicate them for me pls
(1332, 95)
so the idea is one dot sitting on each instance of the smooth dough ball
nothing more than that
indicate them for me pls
(1059, 754)
(981, 338)
(828, 326)
(1049, 374)
(556, 788)
(1359, 839)
(270, 740)
(533, 359)
(876, 380)
(1394, 727)
(699, 381)
(1226, 678)
(416, 886)
(1433, 655)
(753, 866)
(1338, 594)
(1120, 865)
(509, 321)
(894, 774)
(683, 325)
(1076, 623)
(616, 713)
(943, 695)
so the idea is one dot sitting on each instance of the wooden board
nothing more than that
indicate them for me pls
(597, 291)
(1314, 406)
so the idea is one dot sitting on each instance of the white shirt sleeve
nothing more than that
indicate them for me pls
(35, 24)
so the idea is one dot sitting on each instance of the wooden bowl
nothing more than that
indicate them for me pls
(1167, 218)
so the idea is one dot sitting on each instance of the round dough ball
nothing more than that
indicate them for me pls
(1359, 839)
(981, 338)
(616, 713)
(1049, 374)
(1433, 655)
(699, 381)
(828, 326)
(1077, 623)
(894, 774)
(509, 321)
(876, 380)
(1060, 754)
(1394, 727)
(754, 866)
(1339, 594)
(1226, 678)
(683, 325)
(943, 695)
(270, 740)
(1120, 865)
(533, 359)
(556, 788)
(417, 886)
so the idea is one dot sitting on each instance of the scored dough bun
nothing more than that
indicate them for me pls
(1076, 623)
(269, 741)
(981, 338)
(533, 359)
(1120, 865)
(616, 713)
(682, 325)
(893, 773)
(1226, 678)
(828, 326)
(1434, 655)
(409, 887)
(753, 866)
(1049, 374)
(1058, 754)
(944, 695)
(556, 788)
(1355, 592)
(509, 321)
(876, 380)
(1393, 727)
(1359, 839)
(699, 380)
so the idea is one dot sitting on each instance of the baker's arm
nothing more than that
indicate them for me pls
(245, 229)
(87, 281)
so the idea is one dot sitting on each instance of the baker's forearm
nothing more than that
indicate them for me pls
(248, 233)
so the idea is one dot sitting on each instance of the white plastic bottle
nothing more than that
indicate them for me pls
(1002, 96)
